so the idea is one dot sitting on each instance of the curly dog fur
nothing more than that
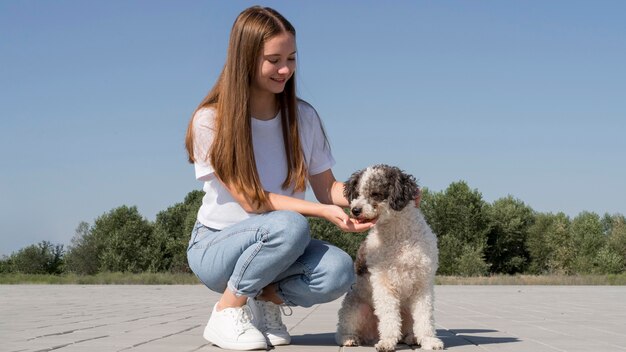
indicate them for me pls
(392, 299)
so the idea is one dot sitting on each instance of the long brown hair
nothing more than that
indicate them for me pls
(232, 154)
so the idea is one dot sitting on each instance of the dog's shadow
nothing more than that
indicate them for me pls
(451, 338)
(326, 339)
(462, 337)
(321, 339)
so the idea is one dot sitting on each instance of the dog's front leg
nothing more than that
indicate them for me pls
(424, 321)
(387, 309)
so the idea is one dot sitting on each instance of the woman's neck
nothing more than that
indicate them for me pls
(263, 106)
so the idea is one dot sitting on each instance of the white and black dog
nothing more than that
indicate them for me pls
(392, 299)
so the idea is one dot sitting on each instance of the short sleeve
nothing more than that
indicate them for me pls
(203, 133)
(314, 143)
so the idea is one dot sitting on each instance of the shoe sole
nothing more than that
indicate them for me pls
(279, 342)
(276, 340)
(240, 346)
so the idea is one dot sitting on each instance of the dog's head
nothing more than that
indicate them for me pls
(375, 191)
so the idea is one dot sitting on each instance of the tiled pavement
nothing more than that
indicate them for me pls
(171, 318)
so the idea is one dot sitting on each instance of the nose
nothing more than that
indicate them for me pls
(356, 211)
(285, 70)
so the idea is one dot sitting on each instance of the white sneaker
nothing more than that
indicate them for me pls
(266, 316)
(231, 328)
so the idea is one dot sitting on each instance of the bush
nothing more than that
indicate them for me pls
(326, 231)
(458, 216)
(471, 262)
(43, 258)
(607, 261)
(83, 255)
(172, 229)
(127, 240)
(6, 266)
(506, 247)
(587, 239)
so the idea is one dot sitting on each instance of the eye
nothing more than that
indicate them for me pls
(377, 195)
(273, 61)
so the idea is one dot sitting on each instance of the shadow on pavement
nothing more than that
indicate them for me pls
(462, 337)
(321, 339)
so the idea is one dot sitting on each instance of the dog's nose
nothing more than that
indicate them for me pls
(356, 211)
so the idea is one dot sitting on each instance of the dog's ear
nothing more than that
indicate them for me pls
(403, 191)
(350, 190)
(360, 264)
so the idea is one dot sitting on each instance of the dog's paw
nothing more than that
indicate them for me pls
(431, 343)
(410, 339)
(386, 345)
(347, 340)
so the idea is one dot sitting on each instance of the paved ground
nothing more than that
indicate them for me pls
(171, 318)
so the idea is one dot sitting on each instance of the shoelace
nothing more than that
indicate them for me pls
(243, 318)
(271, 315)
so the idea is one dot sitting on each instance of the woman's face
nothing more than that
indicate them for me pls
(277, 63)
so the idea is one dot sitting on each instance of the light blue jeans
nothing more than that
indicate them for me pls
(274, 247)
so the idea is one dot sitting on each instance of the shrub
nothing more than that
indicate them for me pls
(43, 258)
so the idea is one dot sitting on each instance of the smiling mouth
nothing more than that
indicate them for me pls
(278, 80)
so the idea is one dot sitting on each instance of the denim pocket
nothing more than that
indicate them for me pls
(199, 233)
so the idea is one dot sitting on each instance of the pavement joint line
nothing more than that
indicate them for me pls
(460, 336)
(159, 338)
(171, 321)
(305, 317)
(66, 332)
(542, 328)
(69, 344)
(557, 319)
(508, 332)
(607, 332)
(201, 347)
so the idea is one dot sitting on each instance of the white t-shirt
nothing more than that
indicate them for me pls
(219, 209)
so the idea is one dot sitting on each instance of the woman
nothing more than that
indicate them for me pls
(255, 145)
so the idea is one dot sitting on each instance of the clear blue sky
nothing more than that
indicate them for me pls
(526, 98)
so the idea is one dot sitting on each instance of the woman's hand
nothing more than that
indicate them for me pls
(337, 216)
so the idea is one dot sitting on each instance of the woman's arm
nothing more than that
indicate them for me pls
(327, 189)
(330, 212)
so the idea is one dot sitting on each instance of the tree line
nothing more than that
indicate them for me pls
(475, 238)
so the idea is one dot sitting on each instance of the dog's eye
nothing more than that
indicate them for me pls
(377, 195)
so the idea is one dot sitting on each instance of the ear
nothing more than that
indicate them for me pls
(350, 187)
(360, 265)
(403, 190)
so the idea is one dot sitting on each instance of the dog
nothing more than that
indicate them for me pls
(392, 299)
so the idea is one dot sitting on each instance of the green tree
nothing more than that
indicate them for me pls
(539, 250)
(472, 261)
(506, 246)
(127, 240)
(42, 258)
(559, 239)
(6, 266)
(588, 239)
(172, 229)
(612, 257)
(608, 261)
(83, 254)
(617, 235)
(459, 217)
(324, 230)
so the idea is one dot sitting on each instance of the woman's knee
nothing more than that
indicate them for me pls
(338, 269)
(292, 227)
